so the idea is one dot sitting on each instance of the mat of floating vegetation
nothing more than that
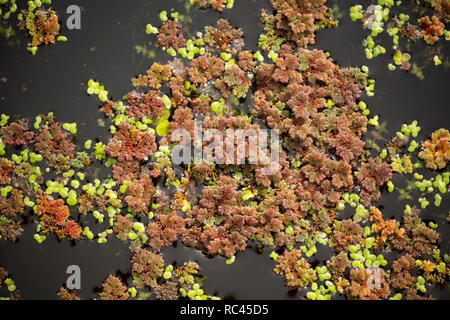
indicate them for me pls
(230, 166)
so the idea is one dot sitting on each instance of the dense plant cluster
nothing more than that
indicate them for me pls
(294, 22)
(400, 26)
(295, 269)
(324, 167)
(53, 214)
(432, 29)
(39, 22)
(65, 294)
(169, 36)
(113, 289)
(217, 5)
(436, 152)
(41, 25)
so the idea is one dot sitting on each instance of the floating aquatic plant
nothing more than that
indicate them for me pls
(325, 166)
(113, 289)
(294, 22)
(65, 294)
(436, 152)
(39, 22)
(383, 17)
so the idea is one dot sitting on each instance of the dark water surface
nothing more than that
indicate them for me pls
(54, 80)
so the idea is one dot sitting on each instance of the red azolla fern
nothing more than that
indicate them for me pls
(130, 143)
(53, 216)
(217, 5)
(113, 289)
(54, 145)
(372, 175)
(295, 21)
(154, 77)
(16, 134)
(122, 227)
(147, 105)
(169, 35)
(386, 229)
(222, 36)
(204, 68)
(139, 194)
(431, 29)
(147, 268)
(297, 272)
(13, 205)
(164, 232)
(218, 224)
(401, 277)
(436, 151)
(72, 229)
(368, 284)
(6, 167)
(345, 233)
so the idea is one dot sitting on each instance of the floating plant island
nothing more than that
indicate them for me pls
(221, 149)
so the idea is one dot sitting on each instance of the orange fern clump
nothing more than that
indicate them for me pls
(53, 215)
(6, 167)
(54, 208)
(386, 228)
(178, 198)
(72, 229)
(295, 269)
(431, 29)
(436, 152)
(217, 5)
(65, 294)
(363, 288)
(42, 26)
(49, 39)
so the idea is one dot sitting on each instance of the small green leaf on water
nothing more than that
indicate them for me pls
(162, 128)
